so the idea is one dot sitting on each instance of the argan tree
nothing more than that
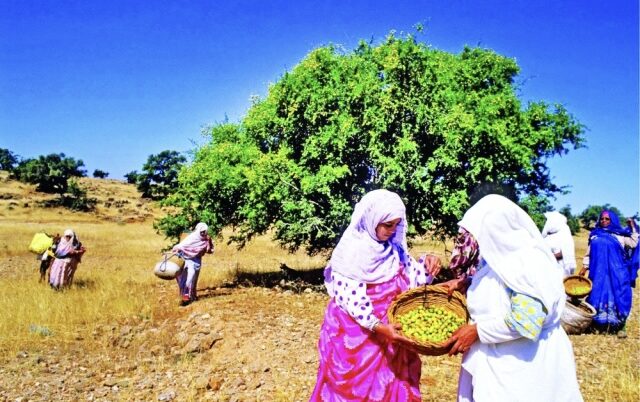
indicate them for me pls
(438, 128)
(159, 176)
(49, 173)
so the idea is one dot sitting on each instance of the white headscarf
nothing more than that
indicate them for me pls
(194, 244)
(359, 254)
(557, 235)
(513, 247)
(65, 246)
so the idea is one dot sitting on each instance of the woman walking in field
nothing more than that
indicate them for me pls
(362, 357)
(68, 253)
(191, 249)
(514, 347)
(612, 271)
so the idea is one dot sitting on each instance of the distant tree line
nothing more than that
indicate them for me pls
(58, 173)
(53, 174)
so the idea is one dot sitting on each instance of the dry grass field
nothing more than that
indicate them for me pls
(118, 333)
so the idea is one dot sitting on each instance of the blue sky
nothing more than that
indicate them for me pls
(111, 82)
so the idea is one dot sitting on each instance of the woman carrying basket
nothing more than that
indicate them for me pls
(68, 254)
(362, 357)
(514, 348)
(191, 249)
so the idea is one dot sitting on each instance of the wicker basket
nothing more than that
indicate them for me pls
(428, 296)
(577, 286)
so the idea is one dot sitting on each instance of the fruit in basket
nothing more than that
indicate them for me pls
(578, 289)
(430, 324)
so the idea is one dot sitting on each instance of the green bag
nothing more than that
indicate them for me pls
(40, 243)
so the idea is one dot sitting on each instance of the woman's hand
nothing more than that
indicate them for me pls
(461, 340)
(389, 333)
(459, 284)
(432, 265)
(583, 271)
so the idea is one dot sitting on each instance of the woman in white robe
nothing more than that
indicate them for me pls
(557, 235)
(514, 347)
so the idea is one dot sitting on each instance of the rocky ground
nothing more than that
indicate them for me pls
(236, 343)
(233, 344)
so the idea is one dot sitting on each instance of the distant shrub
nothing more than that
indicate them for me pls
(76, 198)
(8, 160)
(100, 174)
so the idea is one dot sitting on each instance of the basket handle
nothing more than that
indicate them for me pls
(166, 257)
(424, 296)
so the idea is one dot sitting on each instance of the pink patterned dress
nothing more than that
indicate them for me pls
(357, 366)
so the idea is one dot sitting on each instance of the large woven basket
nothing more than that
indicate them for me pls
(428, 296)
(577, 286)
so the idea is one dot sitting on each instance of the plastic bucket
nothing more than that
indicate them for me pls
(576, 319)
(169, 267)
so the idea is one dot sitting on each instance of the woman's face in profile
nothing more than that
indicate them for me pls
(385, 230)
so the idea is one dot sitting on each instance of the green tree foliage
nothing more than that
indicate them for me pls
(572, 221)
(100, 174)
(76, 198)
(536, 206)
(589, 217)
(8, 160)
(132, 177)
(159, 176)
(433, 126)
(50, 173)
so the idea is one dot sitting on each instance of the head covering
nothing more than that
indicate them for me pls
(194, 243)
(513, 247)
(359, 254)
(558, 236)
(201, 227)
(465, 254)
(614, 226)
(555, 223)
(66, 245)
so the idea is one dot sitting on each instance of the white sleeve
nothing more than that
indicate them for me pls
(496, 331)
(351, 296)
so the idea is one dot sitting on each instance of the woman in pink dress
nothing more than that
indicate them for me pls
(362, 356)
(68, 253)
(191, 249)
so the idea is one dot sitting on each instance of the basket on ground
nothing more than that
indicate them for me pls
(577, 286)
(576, 319)
(428, 296)
(170, 266)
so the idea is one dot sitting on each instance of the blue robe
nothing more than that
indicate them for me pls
(610, 272)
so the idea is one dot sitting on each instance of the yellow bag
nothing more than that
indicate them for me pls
(40, 243)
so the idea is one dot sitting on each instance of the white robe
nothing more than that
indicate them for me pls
(506, 367)
(557, 236)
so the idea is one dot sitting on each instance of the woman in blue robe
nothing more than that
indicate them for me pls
(610, 270)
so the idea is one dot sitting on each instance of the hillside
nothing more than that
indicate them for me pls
(116, 201)
(119, 335)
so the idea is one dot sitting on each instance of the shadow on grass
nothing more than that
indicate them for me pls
(211, 292)
(84, 284)
(287, 278)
